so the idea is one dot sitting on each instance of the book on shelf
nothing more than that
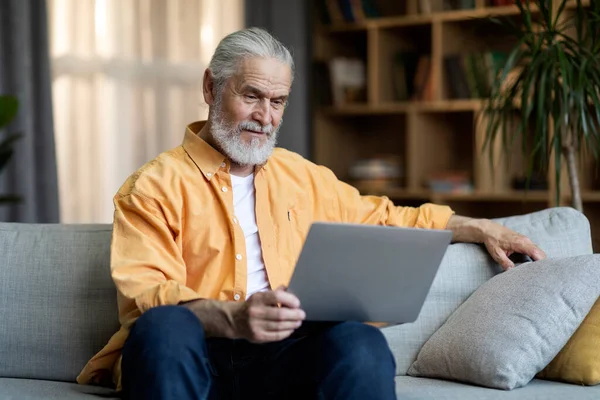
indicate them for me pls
(412, 77)
(343, 11)
(339, 81)
(347, 80)
(536, 181)
(471, 76)
(433, 6)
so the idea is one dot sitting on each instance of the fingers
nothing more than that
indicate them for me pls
(272, 316)
(518, 244)
(276, 314)
(276, 326)
(501, 258)
(525, 246)
(279, 297)
(501, 242)
(268, 324)
(270, 336)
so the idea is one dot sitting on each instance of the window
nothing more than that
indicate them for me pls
(127, 79)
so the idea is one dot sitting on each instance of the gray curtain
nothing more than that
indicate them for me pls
(25, 73)
(287, 20)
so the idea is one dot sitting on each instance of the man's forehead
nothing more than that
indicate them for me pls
(264, 73)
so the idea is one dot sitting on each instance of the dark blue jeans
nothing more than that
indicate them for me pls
(167, 357)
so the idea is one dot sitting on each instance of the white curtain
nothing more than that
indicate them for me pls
(127, 79)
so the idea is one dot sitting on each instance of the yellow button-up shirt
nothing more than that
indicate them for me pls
(175, 236)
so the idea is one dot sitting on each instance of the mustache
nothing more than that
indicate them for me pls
(256, 127)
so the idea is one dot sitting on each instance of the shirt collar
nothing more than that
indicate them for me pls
(206, 157)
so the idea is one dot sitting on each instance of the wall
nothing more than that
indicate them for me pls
(287, 20)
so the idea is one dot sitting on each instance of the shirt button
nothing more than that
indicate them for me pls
(238, 256)
(223, 189)
(208, 174)
(236, 297)
(223, 165)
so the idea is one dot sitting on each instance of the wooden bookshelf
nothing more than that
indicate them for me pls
(442, 133)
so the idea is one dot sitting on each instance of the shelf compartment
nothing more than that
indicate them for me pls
(470, 51)
(507, 167)
(447, 136)
(342, 141)
(340, 44)
(332, 79)
(401, 55)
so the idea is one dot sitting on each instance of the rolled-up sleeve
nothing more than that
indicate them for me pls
(356, 208)
(428, 216)
(146, 262)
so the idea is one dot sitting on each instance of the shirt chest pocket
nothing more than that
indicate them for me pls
(298, 223)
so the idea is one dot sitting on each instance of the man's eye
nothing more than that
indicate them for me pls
(251, 97)
(278, 102)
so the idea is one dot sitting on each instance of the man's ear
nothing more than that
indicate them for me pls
(208, 85)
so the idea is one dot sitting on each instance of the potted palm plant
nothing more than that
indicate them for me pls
(9, 106)
(551, 84)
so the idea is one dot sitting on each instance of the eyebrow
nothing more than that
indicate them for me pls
(257, 91)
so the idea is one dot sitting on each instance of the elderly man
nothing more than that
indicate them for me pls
(205, 240)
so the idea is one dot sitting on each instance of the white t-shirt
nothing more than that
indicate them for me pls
(244, 209)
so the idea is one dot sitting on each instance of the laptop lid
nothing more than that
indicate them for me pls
(367, 273)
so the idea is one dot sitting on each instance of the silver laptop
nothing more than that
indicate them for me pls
(367, 273)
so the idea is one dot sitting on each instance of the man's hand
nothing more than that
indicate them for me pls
(265, 317)
(499, 241)
(268, 316)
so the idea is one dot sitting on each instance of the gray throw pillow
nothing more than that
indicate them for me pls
(513, 325)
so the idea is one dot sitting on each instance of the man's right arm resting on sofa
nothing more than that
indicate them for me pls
(149, 270)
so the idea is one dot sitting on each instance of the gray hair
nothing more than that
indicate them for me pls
(246, 43)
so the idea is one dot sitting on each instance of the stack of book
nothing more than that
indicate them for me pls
(450, 182)
(380, 172)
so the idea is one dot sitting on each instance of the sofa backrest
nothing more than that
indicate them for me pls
(58, 303)
(560, 232)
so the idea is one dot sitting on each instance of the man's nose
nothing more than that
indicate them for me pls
(262, 112)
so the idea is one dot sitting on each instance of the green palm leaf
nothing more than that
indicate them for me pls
(557, 65)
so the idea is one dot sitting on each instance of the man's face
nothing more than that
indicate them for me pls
(246, 116)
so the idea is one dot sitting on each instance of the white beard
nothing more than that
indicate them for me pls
(230, 142)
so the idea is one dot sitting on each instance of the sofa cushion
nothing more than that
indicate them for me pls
(57, 299)
(560, 232)
(579, 361)
(409, 388)
(31, 389)
(514, 324)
